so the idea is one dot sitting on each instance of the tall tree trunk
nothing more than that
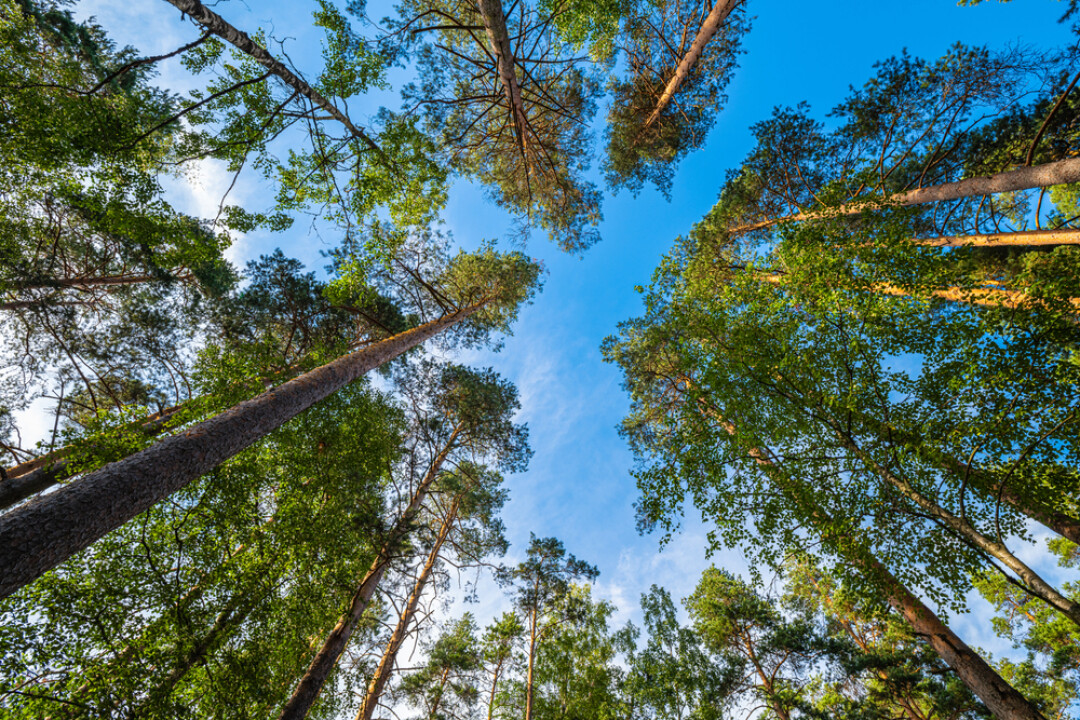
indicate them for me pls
(99, 281)
(491, 12)
(47, 530)
(980, 297)
(1034, 584)
(311, 684)
(532, 665)
(386, 664)
(999, 697)
(988, 487)
(709, 27)
(41, 473)
(33, 476)
(1023, 178)
(214, 23)
(1022, 239)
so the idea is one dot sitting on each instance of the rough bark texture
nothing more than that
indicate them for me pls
(47, 530)
(311, 684)
(34, 476)
(1024, 178)
(1026, 238)
(999, 697)
(709, 28)
(389, 658)
(214, 23)
(491, 11)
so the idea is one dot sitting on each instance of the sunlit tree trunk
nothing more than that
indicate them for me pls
(217, 25)
(1022, 239)
(1024, 178)
(491, 11)
(709, 27)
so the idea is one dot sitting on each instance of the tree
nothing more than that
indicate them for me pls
(686, 393)
(207, 604)
(541, 592)
(484, 288)
(575, 672)
(951, 137)
(99, 275)
(510, 108)
(460, 413)
(680, 57)
(674, 677)
(445, 688)
(467, 519)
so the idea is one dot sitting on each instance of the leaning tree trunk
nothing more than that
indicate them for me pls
(491, 12)
(989, 488)
(41, 473)
(1033, 583)
(992, 297)
(711, 25)
(386, 664)
(38, 474)
(311, 684)
(1024, 178)
(999, 697)
(44, 532)
(1021, 239)
(217, 25)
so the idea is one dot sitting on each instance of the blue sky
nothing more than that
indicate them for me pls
(578, 487)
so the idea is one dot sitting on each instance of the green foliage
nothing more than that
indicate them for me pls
(639, 154)
(531, 152)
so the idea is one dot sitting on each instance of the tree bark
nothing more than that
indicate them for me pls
(41, 473)
(386, 664)
(44, 532)
(1035, 585)
(1064, 525)
(311, 684)
(980, 297)
(1023, 178)
(711, 25)
(491, 12)
(999, 697)
(217, 25)
(1023, 239)
(532, 665)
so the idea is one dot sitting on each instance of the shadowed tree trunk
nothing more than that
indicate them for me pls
(1024, 178)
(386, 664)
(46, 531)
(709, 27)
(989, 488)
(999, 697)
(311, 684)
